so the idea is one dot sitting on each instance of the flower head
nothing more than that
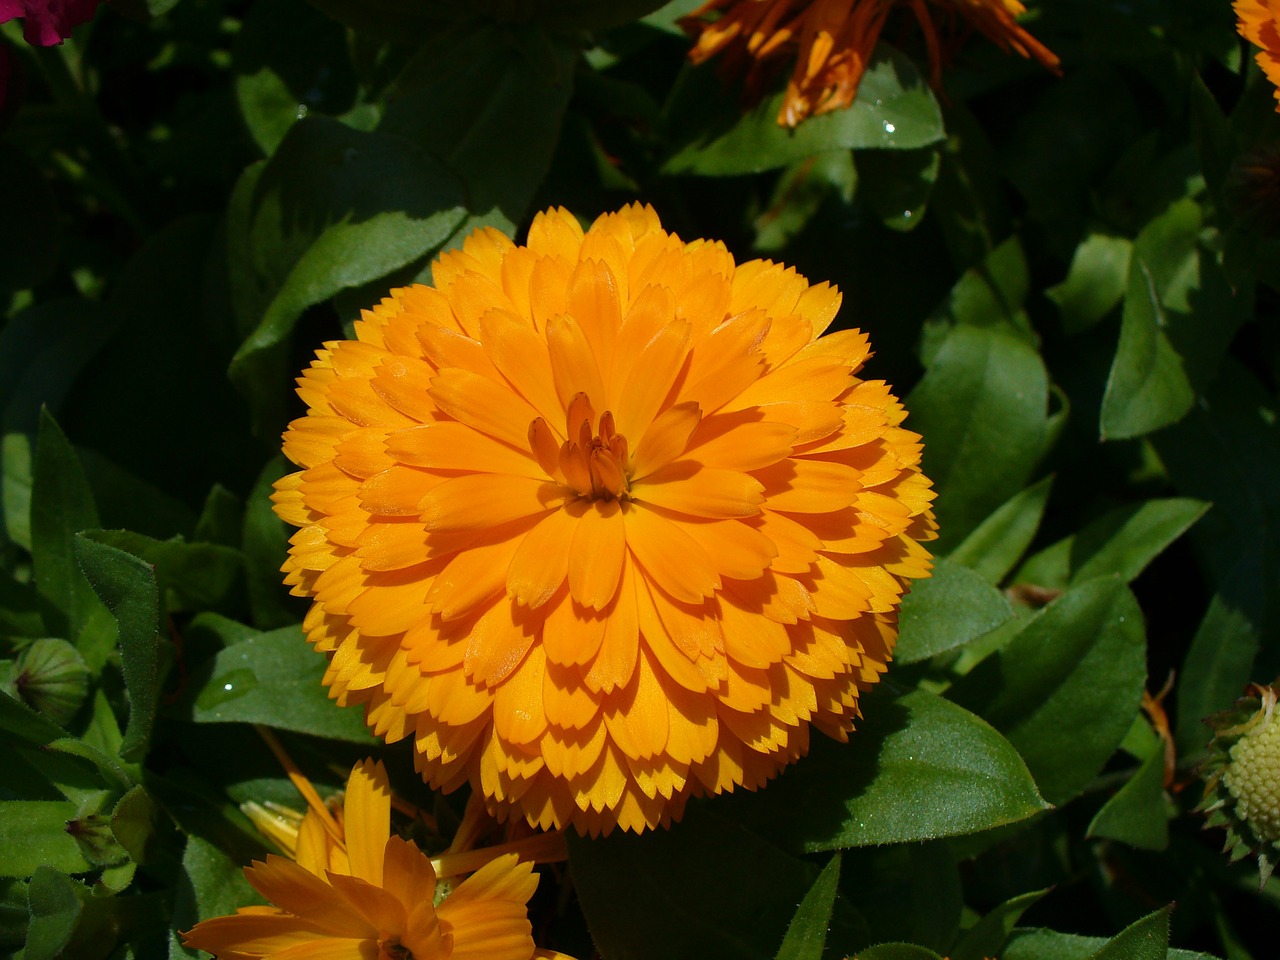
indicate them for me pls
(602, 521)
(1258, 21)
(48, 22)
(355, 892)
(833, 41)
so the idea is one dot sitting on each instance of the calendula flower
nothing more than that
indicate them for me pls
(355, 892)
(832, 42)
(1258, 21)
(1242, 778)
(602, 521)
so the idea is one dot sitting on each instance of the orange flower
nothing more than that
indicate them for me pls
(602, 522)
(1259, 23)
(356, 892)
(835, 40)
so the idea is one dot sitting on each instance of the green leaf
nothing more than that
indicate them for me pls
(897, 184)
(982, 409)
(916, 768)
(272, 678)
(212, 884)
(1095, 283)
(1145, 939)
(946, 611)
(333, 208)
(19, 720)
(1040, 944)
(1120, 543)
(15, 488)
(894, 110)
(34, 833)
(800, 193)
(989, 294)
(489, 101)
(807, 934)
(997, 544)
(191, 576)
(896, 951)
(1179, 316)
(1215, 670)
(127, 585)
(1136, 814)
(693, 891)
(61, 506)
(916, 895)
(987, 937)
(1066, 688)
(67, 920)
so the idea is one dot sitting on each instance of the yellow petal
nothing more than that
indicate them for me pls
(367, 819)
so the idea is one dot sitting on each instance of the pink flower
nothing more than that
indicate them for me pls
(46, 22)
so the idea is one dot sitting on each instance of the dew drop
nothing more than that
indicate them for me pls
(889, 127)
(226, 687)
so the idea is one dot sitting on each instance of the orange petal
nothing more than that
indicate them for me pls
(480, 403)
(518, 714)
(305, 895)
(573, 363)
(454, 446)
(367, 819)
(666, 439)
(520, 354)
(541, 563)
(669, 556)
(480, 501)
(687, 487)
(595, 559)
(652, 376)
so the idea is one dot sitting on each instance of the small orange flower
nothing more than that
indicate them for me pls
(355, 892)
(603, 521)
(834, 40)
(1259, 23)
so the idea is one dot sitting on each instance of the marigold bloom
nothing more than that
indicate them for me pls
(1258, 21)
(601, 521)
(356, 892)
(834, 40)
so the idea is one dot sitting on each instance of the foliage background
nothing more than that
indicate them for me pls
(1072, 281)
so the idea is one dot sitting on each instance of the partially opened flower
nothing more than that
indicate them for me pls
(1258, 21)
(603, 521)
(356, 892)
(832, 42)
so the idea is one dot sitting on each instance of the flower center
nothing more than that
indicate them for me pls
(592, 461)
(391, 948)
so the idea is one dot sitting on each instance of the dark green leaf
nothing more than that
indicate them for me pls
(29, 225)
(333, 208)
(807, 934)
(982, 409)
(488, 101)
(897, 951)
(1179, 315)
(15, 488)
(916, 895)
(894, 110)
(800, 193)
(987, 937)
(946, 611)
(272, 678)
(916, 768)
(689, 892)
(61, 506)
(34, 833)
(1066, 688)
(191, 576)
(897, 184)
(1051, 945)
(1145, 939)
(1121, 543)
(19, 720)
(127, 585)
(1214, 672)
(289, 59)
(1095, 283)
(995, 547)
(1136, 814)
(42, 351)
(211, 885)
